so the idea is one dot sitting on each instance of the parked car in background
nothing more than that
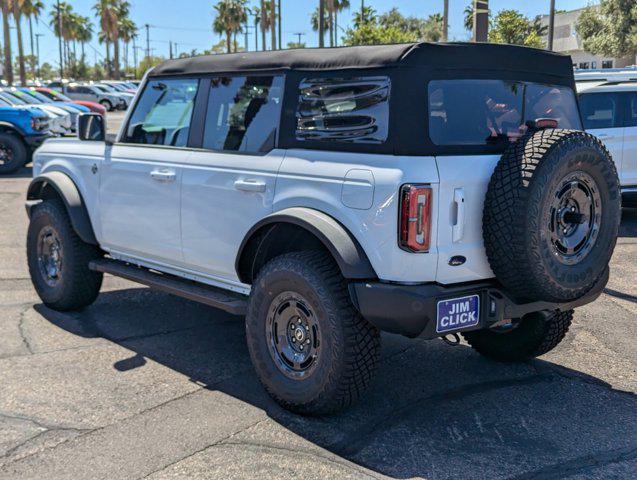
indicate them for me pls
(57, 122)
(608, 103)
(120, 86)
(58, 96)
(128, 97)
(109, 100)
(22, 130)
(73, 109)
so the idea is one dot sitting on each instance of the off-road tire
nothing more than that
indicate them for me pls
(78, 286)
(517, 205)
(349, 344)
(18, 151)
(535, 335)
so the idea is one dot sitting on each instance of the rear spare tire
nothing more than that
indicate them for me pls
(551, 215)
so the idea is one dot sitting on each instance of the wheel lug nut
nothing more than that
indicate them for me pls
(301, 347)
(294, 340)
(307, 341)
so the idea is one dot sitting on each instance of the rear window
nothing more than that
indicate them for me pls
(344, 110)
(492, 112)
(599, 110)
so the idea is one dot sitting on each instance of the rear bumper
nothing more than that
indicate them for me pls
(411, 310)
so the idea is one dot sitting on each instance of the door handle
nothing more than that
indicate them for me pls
(605, 136)
(250, 185)
(457, 231)
(163, 175)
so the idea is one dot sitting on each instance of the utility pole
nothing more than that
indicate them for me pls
(445, 21)
(480, 20)
(362, 11)
(170, 49)
(299, 35)
(551, 24)
(321, 23)
(273, 23)
(147, 26)
(59, 19)
(136, 48)
(37, 50)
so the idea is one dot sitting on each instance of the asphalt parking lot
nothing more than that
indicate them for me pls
(142, 384)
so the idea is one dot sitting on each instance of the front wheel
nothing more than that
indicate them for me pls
(59, 259)
(521, 339)
(13, 153)
(107, 105)
(311, 348)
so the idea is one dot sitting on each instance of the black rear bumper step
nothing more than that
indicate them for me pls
(233, 303)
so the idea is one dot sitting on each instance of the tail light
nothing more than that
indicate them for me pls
(415, 218)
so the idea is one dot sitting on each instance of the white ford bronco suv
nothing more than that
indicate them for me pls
(330, 194)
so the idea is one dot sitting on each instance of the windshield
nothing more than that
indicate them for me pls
(11, 99)
(105, 88)
(489, 112)
(39, 96)
(24, 97)
(60, 96)
(118, 87)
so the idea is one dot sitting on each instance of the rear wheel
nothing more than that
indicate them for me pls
(521, 339)
(13, 153)
(107, 105)
(58, 259)
(311, 348)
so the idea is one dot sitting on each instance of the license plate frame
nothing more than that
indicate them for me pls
(454, 314)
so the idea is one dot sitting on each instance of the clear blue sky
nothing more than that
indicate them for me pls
(188, 22)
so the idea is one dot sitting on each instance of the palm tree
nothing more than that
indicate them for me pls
(17, 15)
(339, 6)
(109, 13)
(230, 17)
(8, 67)
(83, 34)
(273, 22)
(63, 28)
(32, 9)
(127, 31)
(327, 22)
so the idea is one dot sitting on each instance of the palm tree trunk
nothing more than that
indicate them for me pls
(336, 27)
(116, 56)
(16, 16)
(8, 67)
(32, 52)
(264, 15)
(228, 41)
(273, 22)
(109, 72)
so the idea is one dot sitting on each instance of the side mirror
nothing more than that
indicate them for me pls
(91, 127)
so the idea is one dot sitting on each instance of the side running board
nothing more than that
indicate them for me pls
(233, 303)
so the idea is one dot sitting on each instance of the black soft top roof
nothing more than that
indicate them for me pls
(431, 56)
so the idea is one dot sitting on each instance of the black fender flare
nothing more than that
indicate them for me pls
(12, 126)
(347, 252)
(70, 195)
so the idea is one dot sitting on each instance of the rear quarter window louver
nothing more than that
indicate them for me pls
(350, 110)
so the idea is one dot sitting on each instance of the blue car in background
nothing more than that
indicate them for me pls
(22, 130)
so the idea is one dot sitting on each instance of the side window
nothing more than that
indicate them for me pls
(163, 113)
(599, 110)
(344, 110)
(243, 113)
(494, 112)
(631, 110)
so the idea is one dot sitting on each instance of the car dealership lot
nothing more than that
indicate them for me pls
(145, 384)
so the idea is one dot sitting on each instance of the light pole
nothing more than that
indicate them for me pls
(147, 26)
(59, 19)
(551, 24)
(37, 50)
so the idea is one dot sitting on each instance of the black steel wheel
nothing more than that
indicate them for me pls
(13, 153)
(551, 216)
(310, 347)
(58, 259)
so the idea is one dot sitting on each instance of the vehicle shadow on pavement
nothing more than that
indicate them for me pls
(433, 410)
(628, 227)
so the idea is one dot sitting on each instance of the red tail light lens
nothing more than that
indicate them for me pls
(415, 218)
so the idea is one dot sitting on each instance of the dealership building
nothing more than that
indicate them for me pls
(566, 40)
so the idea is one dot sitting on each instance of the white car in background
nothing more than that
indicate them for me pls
(608, 103)
(108, 89)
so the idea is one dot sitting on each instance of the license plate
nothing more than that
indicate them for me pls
(458, 313)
